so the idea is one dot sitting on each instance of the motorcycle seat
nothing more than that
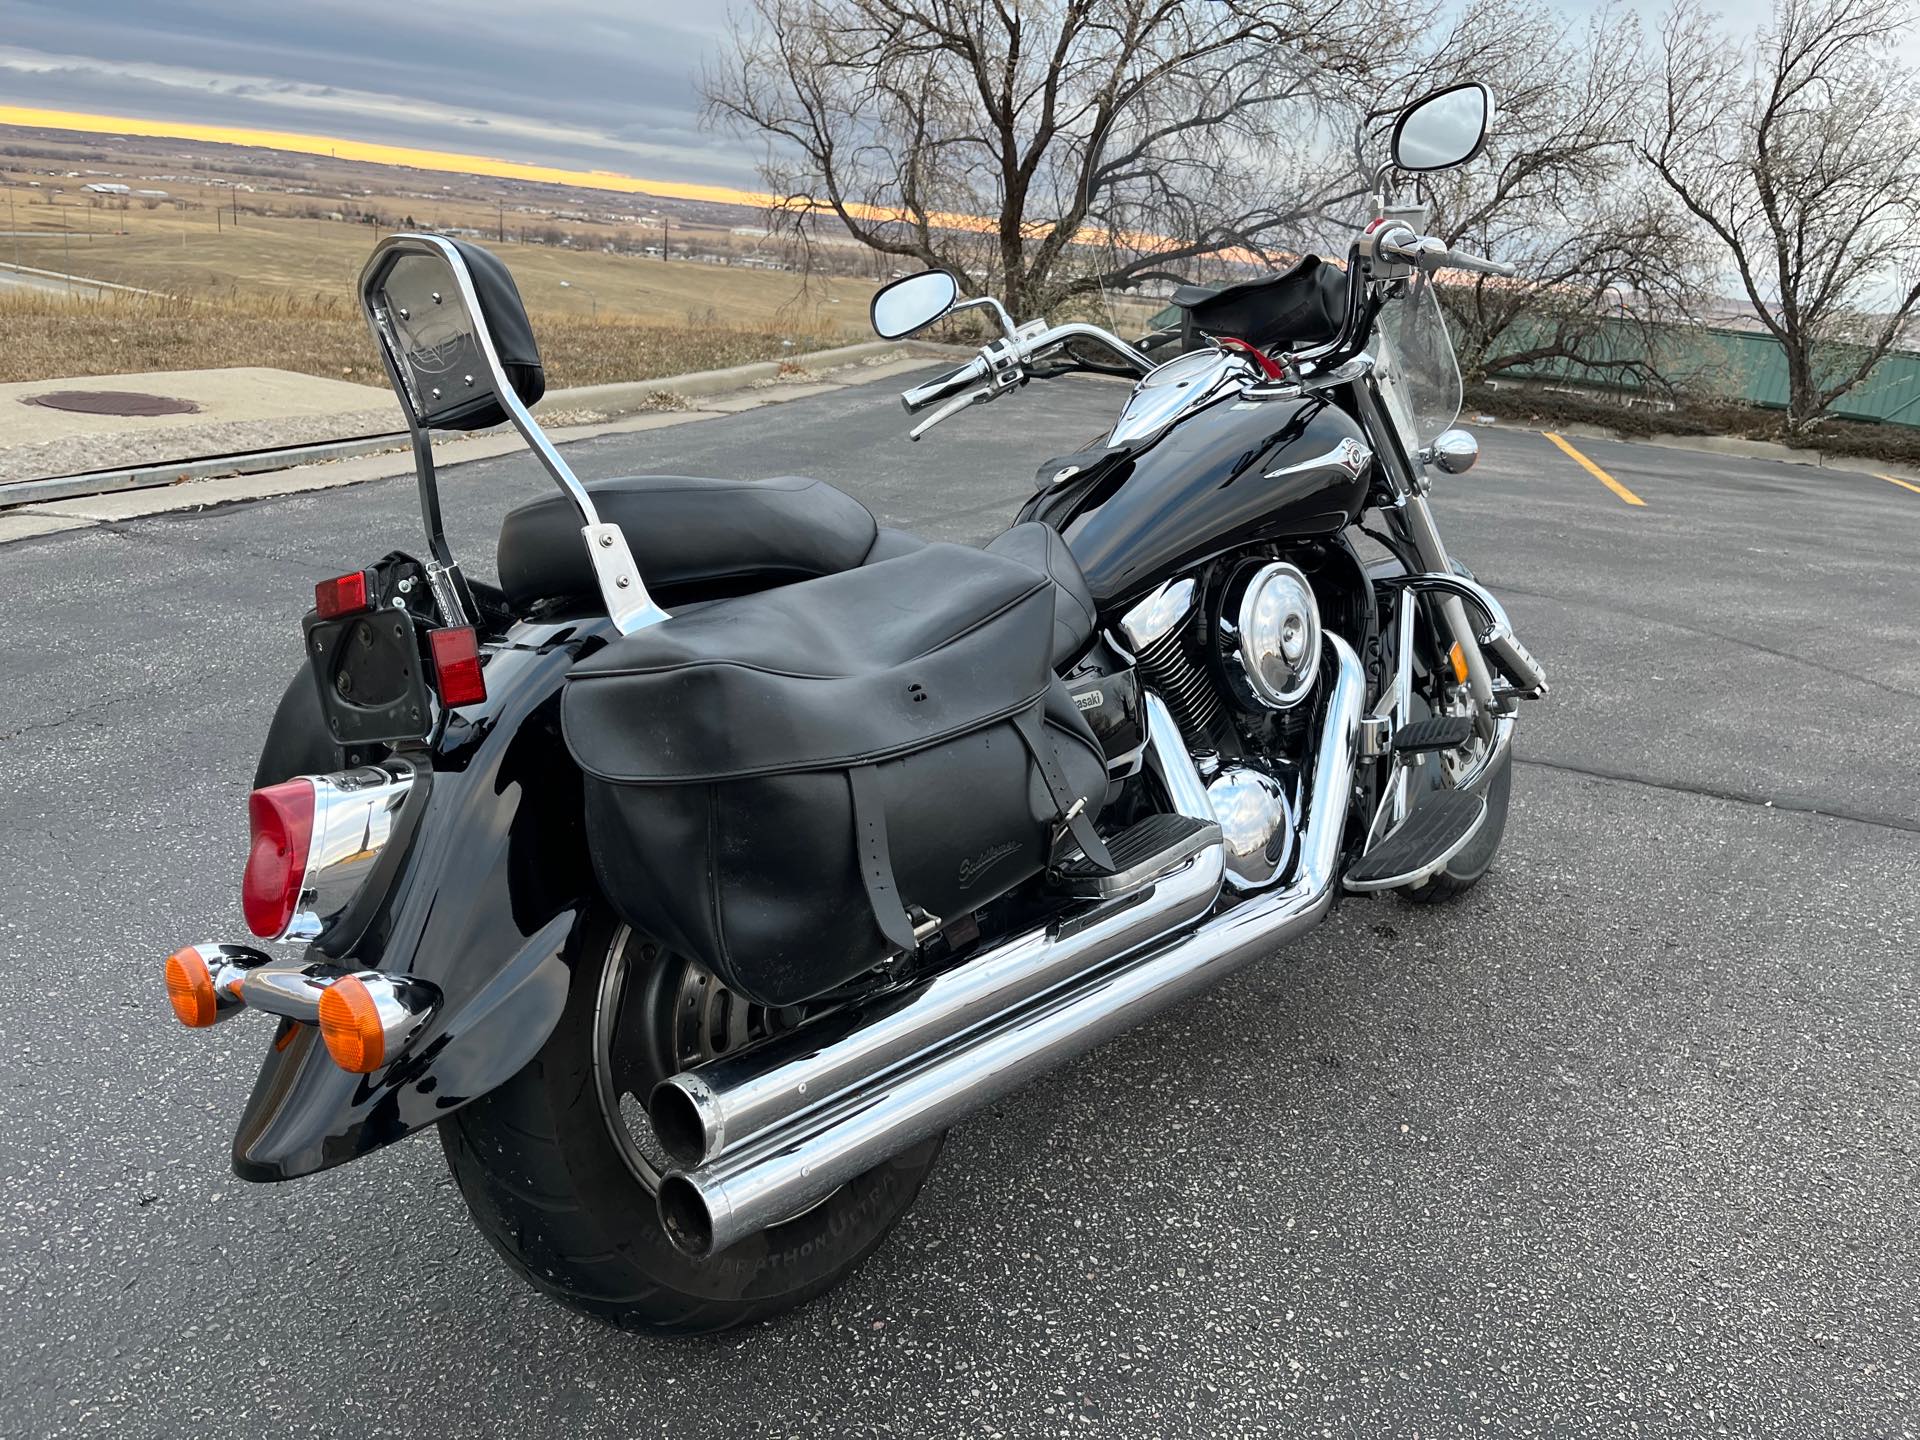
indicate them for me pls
(698, 539)
(694, 539)
(1040, 547)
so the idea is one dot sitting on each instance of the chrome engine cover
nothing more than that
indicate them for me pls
(1269, 636)
(1256, 825)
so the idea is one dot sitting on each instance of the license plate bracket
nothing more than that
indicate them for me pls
(371, 675)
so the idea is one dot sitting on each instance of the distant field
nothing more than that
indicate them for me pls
(49, 336)
(183, 253)
(279, 291)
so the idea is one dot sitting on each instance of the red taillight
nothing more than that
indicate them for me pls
(281, 817)
(456, 666)
(342, 595)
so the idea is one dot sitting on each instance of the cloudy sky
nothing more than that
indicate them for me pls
(581, 84)
(588, 84)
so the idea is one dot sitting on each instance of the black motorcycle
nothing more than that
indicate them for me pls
(696, 877)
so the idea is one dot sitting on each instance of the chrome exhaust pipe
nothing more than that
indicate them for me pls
(704, 1112)
(791, 1167)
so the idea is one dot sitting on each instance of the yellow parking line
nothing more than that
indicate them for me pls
(1594, 470)
(1903, 484)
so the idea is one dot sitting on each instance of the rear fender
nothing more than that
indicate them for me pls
(492, 881)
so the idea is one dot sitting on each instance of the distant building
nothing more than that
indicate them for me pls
(105, 187)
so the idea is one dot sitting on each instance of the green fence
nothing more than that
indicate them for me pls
(1740, 366)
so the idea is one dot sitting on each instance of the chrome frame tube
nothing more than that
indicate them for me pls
(1496, 633)
(792, 1167)
(702, 1113)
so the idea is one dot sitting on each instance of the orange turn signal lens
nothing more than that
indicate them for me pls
(190, 989)
(1459, 659)
(350, 1026)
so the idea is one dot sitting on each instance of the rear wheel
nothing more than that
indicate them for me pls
(560, 1167)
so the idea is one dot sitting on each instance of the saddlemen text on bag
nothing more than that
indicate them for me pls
(783, 785)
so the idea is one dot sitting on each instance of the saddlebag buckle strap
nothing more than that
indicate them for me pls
(876, 861)
(1069, 808)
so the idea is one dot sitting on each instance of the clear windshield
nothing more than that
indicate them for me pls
(1418, 373)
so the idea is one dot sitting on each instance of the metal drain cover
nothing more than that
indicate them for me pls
(112, 402)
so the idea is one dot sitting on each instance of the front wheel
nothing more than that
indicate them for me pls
(1463, 871)
(559, 1167)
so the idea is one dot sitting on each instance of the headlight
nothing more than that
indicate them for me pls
(1271, 638)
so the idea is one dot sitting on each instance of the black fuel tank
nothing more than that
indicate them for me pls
(1242, 470)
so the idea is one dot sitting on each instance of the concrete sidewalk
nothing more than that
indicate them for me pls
(722, 392)
(235, 410)
(241, 417)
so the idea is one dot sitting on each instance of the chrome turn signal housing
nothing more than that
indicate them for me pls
(204, 982)
(367, 1018)
(1453, 451)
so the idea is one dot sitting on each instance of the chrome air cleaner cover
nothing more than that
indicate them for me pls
(1270, 636)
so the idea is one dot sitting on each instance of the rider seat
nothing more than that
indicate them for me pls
(698, 539)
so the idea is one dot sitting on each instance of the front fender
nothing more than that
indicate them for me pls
(493, 881)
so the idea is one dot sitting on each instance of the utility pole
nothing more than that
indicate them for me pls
(666, 238)
(503, 222)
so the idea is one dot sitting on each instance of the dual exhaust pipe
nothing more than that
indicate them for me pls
(770, 1131)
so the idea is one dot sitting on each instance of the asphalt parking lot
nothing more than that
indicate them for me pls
(1625, 1143)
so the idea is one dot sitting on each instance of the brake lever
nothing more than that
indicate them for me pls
(950, 409)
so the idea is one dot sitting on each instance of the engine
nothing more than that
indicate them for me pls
(1235, 651)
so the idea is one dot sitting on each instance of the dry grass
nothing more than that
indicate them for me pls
(49, 336)
(182, 253)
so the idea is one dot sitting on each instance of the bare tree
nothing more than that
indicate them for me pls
(1801, 155)
(1604, 258)
(1048, 148)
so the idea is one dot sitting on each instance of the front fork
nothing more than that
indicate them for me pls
(1423, 535)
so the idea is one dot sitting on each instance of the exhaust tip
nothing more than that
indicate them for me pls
(683, 1211)
(686, 1119)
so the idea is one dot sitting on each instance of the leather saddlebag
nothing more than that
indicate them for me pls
(784, 785)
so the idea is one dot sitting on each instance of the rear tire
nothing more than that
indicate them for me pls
(555, 1190)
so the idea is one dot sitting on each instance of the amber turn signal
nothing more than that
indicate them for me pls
(190, 989)
(350, 1025)
(1459, 659)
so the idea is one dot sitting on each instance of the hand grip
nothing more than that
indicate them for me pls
(934, 391)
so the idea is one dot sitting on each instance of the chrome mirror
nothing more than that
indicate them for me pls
(913, 303)
(1444, 129)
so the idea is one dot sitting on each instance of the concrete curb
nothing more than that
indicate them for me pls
(614, 399)
(625, 395)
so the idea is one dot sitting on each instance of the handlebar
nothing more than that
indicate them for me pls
(1427, 252)
(1002, 365)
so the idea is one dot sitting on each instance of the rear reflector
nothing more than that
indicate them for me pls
(281, 818)
(456, 666)
(343, 595)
